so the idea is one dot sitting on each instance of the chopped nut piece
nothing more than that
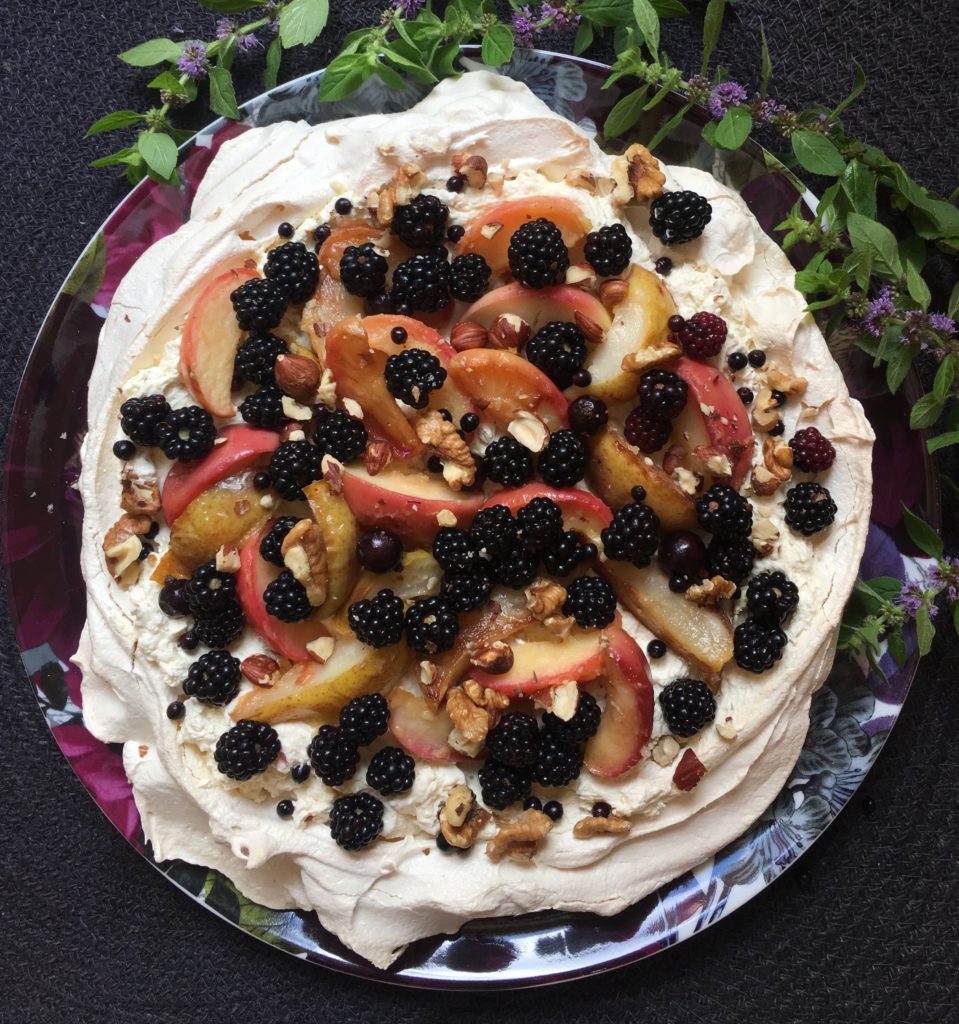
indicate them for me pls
(492, 700)
(297, 376)
(260, 669)
(472, 721)
(638, 174)
(636, 362)
(473, 168)
(776, 468)
(227, 559)
(458, 805)
(468, 334)
(764, 536)
(727, 729)
(267, 501)
(593, 825)
(353, 408)
(673, 458)
(509, 331)
(612, 293)
(689, 771)
(765, 410)
(590, 330)
(468, 748)
(427, 673)
(544, 598)
(581, 274)
(495, 659)
(332, 473)
(304, 554)
(529, 430)
(461, 820)
(140, 495)
(459, 469)
(295, 410)
(377, 457)
(446, 518)
(779, 381)
(719, 464)
(518, 839)
(583, 179)
(564, 699)
(122, 546)
(710, 591)
(687, 482)
(763, 482)
(491, 230)
(665, 751)
(326, 392)
(321, 649)
(295, 434)
(560, 625)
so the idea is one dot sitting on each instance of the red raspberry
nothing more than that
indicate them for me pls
(812, 453)
(702, 335)
(647, 430)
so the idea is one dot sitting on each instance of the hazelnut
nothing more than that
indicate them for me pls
(509, 331)
(468, 334)
(612, 293)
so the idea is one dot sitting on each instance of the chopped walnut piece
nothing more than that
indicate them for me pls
(776, 468)
(518, 839)
(304, 554)
(492, 700)
(458, 805)
(789, 385)
(122, 546)
(446, 517)
(461, 820)
(544, 598)
(593, 825)
(459, 469)
(140, 495)
(689, 771)
(637, 176)
(765, 410)
(559, 625)
(260, 669)
(642, 359)
(583, 179)
(473, 168)
(710, 591)
(472, 721)
(495, 659)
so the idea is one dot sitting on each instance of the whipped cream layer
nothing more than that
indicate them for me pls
(401, 888)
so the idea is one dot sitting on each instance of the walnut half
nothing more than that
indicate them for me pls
(594, 825)
(518, 839)
(459, 468)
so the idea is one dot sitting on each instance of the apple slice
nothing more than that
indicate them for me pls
(539, 664)
(419, 729)
(703, 635)
(354, 232)
(358, 372)
(616, 467)
(353, 670)
(338, 525)
(226, 513)
(492, 242)
(503, 384)
(538, 307)
(287, 638)
(243, 448)
(627, 721)
(639, 330)
(722, 417)
(405, 503)
(210, 339)
(582, 511)
(330, 304)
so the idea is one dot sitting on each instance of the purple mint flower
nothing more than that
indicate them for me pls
(225, 27)
(724, 96)
(881, 307)
(560, 15)
(408, 8)
(698, 89)
(910, 599)
(271, 11)
(193, 62)
(524, 25)
(247, 43)
(946, 577)
(942, 324)
(767, 109)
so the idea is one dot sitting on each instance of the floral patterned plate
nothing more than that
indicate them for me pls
(41, 517)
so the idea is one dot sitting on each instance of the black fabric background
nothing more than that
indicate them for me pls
(863, 929)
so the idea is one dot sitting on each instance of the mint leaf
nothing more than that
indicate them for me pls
(584, 37)
(952, 309)
(766, 65)
(712, 26)
(897, 648)
(626, 113)
(733, 130)
(898, 366)
(858, 86)
(392, 78)
(126, 155)
(111, 122)
(648, 22)
(158, 151)
(934, 444)
(153, 51)
(345, 74)
(917, 287)
(945, 376)
(666, 128)
(301, 21)
(606, 13)
(498, 45)
(871, 236)
(817, 154)
(859, 184)
(925, 631)
(670, 8)
(925, 412)
(222, 96)
(274, 54)
(922, 534)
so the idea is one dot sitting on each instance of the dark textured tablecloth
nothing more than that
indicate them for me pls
(862, 929)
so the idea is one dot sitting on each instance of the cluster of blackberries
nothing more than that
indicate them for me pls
(758, 640)
(184, 435)
(662, 397)
(290, 274)
(562, 463)
(727, 515)
(209, 595)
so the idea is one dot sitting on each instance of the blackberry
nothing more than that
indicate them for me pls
(285, 598)
(341, 436)
(514, 741)
(272, 542)
(662, 392)
(609, 250)
(558, 763)
(809, 508)
(677, 217)
(219, 628)
(724, 512)
(140, 418)
(363, 270)
(757, 646)
(377, 621)
(391, 771)
(564, 554)
(495, 530)
(365, 718)
(732, 559)
(508, 462)
(256, 357)
(591, 602)
(469, 277)
(516, 568)
(422, 282)
(186, 434)
(455, 550)
(562, 462)
(293, 269)
(259, 304)
(412, 374)
(467, 591)
(333, 755)
(688, 705)
(356, 820)
(581, 726)
(421, 223)
(537, 255)
(247, 749)
(771, 596)
(812, 453)
(559, 350)
(264, 408)
(588, 415)
(701, 336)
(540, 523)
(293, 465)
(214, 678)
(431, 625)
(501, 785)
(633, 535)
(209, 589)
(649, 431)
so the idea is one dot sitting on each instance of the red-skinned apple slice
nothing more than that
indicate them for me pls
(492, 242)
(244, 447)
(704, 635)
(540, 664)
(210, 339)
(405, 503)
(503, 384)
(330, 304)
(627, 721)
(358, 372)
(582, 511)
(538, 307)
(355, 232)
(419, 729)
(722, 416)
(287, 638)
